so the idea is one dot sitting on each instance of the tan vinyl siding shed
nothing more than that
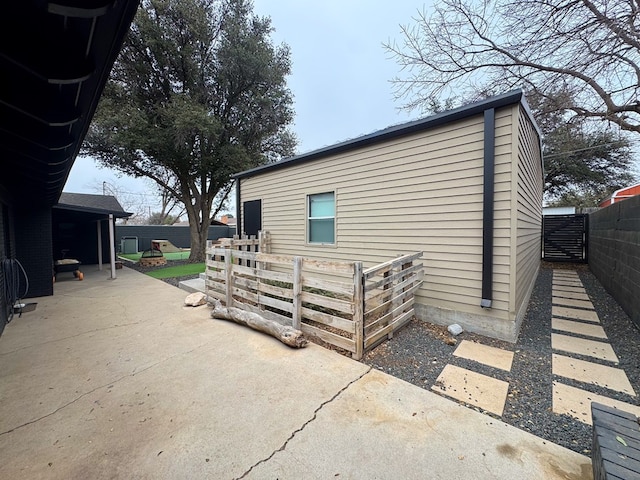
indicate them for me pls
(421, 187)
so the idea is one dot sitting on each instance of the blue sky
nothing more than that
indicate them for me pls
(340, 77)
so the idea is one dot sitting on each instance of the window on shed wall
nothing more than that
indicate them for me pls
(322, 218)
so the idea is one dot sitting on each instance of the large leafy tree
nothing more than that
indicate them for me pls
(197, 93)
(590, 48)
(583, 162)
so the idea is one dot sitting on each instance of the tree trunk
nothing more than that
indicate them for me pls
(287, 335)
(199, 234)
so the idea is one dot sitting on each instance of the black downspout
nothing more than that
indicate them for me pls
(488, 207)
(239, 228)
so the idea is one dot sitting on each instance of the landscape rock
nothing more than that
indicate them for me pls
(195, 299)
(454, 329)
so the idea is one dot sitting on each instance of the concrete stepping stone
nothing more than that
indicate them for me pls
(572, 295)
(473, 388)
(575, 313)
(577, 402)
(570, 276)
(589, 372)
(581, 346)
(567, 283)
(560, 273)
(580, 328)
(485, 354)
(564, 288)
(570, 302)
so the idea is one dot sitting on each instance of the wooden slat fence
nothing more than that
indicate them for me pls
(326, 300)
(389, 294)
(322, 299)
(245, 244)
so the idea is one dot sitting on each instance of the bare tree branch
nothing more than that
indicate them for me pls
(463, 48)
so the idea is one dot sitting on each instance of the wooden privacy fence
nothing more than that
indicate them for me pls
(323, 299)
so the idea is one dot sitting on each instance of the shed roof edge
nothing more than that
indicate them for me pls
(443, 118)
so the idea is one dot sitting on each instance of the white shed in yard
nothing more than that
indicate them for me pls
(463, 186)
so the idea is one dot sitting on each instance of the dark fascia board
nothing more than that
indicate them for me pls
(433, 121)
(100, 211)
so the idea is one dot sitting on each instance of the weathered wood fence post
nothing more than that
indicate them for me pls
(229, 277)
(358, 309)
(297, 292)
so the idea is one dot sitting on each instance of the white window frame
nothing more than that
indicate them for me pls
(309, 218)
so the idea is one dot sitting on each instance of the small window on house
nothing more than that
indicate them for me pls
(322, 217)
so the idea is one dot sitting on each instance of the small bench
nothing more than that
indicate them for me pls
(67, 265)
(615, 453)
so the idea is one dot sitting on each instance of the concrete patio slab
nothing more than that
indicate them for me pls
(577, 402)
(485, 354)
(594, 373)
(146, 385)
(580, 328)
(117, 379)
(473, 388)
(379, 412)
(571, 302)
(581, 346)
(575, 313)
(573, 295)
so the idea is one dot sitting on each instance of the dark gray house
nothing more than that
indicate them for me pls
(55, 59)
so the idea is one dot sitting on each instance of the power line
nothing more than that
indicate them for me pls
(583, 149)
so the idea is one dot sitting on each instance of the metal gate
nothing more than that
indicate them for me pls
(565, 238)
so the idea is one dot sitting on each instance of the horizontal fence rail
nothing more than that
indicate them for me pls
(335, 302)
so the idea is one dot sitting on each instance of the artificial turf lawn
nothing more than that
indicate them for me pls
(177, 271)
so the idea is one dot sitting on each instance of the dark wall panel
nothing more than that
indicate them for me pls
(33, 249)
(5, 253)
(252, 217)
(75, 235)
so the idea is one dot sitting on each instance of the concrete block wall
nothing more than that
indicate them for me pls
(614, 253)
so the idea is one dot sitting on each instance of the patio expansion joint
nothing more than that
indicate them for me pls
(108, 384)
(304, 425)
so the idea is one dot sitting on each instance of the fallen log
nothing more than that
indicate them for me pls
(286, 334)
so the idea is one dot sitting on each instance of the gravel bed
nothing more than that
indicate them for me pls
(419, 352)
